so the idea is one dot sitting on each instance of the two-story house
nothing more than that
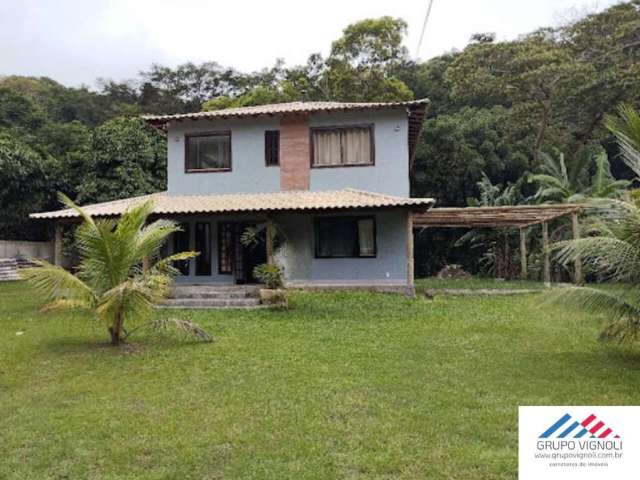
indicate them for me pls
(333, 177)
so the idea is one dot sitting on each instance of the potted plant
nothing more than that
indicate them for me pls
(271, 275)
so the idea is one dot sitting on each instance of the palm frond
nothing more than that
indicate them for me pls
(55, 283)
(623, 312)
(152, 237)
(185, 328)
(165, 265)
(65, 304)
(133, 300)
(612, 257)
(626, 127)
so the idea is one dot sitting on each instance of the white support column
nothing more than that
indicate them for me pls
(410, 266)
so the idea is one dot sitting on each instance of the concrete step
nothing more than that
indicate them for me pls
(211, 303)
(9, 278)
(214, 294)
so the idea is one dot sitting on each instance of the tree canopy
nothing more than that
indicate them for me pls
(496, 105)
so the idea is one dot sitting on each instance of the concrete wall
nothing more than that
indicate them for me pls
(14, 248)
(249, 174)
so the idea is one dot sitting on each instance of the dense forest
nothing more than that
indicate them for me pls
(505, 117)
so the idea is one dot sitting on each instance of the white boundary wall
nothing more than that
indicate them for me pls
(17, 248)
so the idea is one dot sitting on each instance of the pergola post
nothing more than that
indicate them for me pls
(577, 277)
(269, 234)
(523, 253)
(57, 245)
(545, 249)
(410, 266)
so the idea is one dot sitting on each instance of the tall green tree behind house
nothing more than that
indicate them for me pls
(128, 159)
(493, 103)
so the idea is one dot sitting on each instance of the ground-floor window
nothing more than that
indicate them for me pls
(337, 237)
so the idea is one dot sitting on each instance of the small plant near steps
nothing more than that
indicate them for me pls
(272, 277)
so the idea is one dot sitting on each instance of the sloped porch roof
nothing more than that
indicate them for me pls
(292, 201)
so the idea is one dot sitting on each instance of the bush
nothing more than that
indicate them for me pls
(270, 275)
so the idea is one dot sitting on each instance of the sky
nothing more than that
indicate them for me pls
(77, 41)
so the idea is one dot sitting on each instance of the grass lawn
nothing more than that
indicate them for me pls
(477, 283)
(343, 385)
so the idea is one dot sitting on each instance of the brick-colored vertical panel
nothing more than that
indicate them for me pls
(294, 153)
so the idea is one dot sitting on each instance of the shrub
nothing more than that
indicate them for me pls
(270, 275)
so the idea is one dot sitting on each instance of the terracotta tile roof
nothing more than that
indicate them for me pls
(416, 111)
(249, 202)
(284, 109)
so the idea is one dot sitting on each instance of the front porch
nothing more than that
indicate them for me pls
(323, 239)
(354, 249)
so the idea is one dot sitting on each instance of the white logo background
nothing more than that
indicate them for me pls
(563, 461)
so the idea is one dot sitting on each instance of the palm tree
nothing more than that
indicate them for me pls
(626, 127)
(612, 247)
(558, 183)
(111, 281)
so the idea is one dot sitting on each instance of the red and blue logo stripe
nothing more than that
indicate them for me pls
(565, 427)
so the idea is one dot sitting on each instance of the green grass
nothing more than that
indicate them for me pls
(343, 385)
(476, 283)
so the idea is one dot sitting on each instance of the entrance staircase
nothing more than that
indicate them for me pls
(8, 269)
(213, 296)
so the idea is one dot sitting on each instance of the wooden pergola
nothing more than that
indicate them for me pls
(520, 216)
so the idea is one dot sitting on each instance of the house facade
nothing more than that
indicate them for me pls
(332, 179)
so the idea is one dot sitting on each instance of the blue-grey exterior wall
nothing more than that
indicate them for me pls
(389, 265)
(297, 256)
(390, 174)
(249, 174)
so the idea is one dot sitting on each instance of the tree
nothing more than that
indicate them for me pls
(456, 149)
(24, 178)
(561, 184)
(626, 128)
(129, 159)
(612, 251)
(531, 77)
(111, 281)
(362, 62)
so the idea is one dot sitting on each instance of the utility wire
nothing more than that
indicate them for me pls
(424, 27)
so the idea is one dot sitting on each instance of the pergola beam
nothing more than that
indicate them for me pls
(517, 216)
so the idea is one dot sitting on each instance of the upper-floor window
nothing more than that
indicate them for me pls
(208, 152)
(342, 146)
(272, 148)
